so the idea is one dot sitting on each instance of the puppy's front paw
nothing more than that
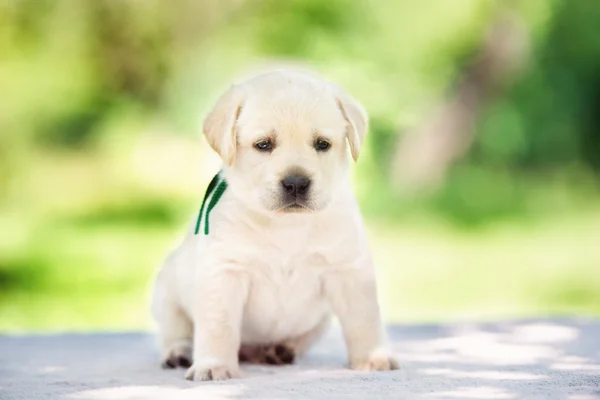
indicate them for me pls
(219, 372)
(377, 361)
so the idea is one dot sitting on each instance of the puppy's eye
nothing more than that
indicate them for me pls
(322, 145)
(264, 145)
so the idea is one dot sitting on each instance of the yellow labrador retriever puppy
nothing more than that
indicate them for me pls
(279, 245)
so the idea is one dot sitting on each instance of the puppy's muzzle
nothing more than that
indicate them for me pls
(295, 191)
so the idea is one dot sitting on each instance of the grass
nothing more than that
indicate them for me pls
(85, 278)
(512, 270)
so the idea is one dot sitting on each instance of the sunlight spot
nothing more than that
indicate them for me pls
(492, 375)
(156, 392)
(483, 392)
(482, 348)
(125, 392)
(544, 333)
(51, 369)
(575, 367)
(575, 363)
(427, 357)
(573, 360)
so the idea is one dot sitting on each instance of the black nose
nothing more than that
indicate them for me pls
(296, 185)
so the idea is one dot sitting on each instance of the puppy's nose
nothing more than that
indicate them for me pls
(295, 185)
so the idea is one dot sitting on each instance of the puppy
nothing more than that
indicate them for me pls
(279, 245)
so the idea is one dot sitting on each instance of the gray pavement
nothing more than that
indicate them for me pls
(529, 359)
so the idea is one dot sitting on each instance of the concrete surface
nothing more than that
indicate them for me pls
(536, 359)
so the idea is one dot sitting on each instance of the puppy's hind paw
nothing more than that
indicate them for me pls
(176, 361)
(179, 355)
(214, 373)
(270, 354)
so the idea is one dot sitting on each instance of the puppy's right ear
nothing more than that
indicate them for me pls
(356, 118)
(220, 125)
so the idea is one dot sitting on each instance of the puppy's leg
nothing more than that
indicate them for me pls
(176, 337)
(353, 296)
(175, 328)
(218, 307)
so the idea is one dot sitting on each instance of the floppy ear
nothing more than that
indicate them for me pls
(220, 125)
(357, 120)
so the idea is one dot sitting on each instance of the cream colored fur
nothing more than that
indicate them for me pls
(265, 275)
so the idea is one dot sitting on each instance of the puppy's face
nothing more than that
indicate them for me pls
(283, 137)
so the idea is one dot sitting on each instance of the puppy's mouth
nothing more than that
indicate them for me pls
(295, 207)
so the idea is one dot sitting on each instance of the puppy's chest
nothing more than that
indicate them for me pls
(283, 303)
(288, 249)
(285, 297)
(290, 279)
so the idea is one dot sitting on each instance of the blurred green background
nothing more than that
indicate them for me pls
(102, 164)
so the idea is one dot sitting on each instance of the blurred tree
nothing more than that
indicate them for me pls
(297, 28)
(81, 61)
(549, 117)
(424, 155)
(130, 49)
(557, 102)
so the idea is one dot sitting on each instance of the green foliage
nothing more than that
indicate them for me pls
(89, 206)
(549, 117)
(278, 25)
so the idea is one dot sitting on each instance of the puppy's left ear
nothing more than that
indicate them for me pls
(357, 120)
(220, 125)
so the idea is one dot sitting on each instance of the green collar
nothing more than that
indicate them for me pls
(215, 190)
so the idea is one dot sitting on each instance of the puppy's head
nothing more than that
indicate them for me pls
(282, 137)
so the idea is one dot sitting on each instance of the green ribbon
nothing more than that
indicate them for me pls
(214, 191)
